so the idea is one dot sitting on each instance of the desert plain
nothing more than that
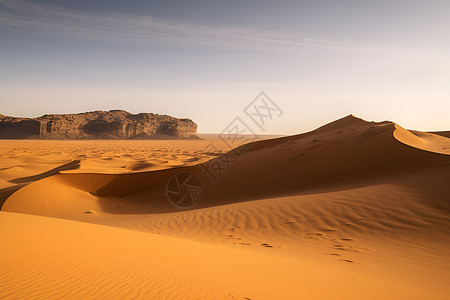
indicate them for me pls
(352, 210)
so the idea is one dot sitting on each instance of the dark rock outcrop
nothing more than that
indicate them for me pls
(113, 124)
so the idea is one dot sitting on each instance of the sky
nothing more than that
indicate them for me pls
(208, 60)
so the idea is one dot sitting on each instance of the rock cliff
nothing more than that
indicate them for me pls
(113, 124)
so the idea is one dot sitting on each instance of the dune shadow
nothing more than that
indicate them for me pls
(147, 193)
(6, 192)
(74, 164)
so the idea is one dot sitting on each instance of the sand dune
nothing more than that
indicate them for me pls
(65, 259)
(346, 152)
(441, 133)
(363, 207)
(22, 158)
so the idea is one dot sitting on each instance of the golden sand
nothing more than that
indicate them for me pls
(351, 210)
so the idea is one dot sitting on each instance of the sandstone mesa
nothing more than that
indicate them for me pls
(113, 124)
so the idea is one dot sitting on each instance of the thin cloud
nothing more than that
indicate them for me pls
(54, 20)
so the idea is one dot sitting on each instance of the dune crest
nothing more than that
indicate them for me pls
(423, 140)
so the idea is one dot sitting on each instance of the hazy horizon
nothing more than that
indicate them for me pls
(207, 60)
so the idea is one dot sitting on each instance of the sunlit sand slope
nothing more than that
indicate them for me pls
(46, 258)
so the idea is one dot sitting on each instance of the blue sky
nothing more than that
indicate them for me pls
(206, 60)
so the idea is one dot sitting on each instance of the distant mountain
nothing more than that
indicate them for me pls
(113, 124)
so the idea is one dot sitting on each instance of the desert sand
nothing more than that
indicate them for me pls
(351, 210)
